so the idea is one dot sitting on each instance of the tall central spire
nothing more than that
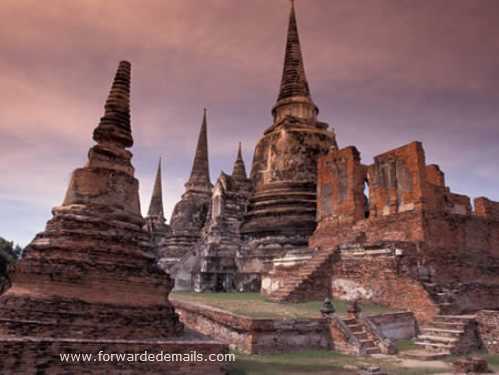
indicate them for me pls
(200, 174)
(294, 82)
(294, 93)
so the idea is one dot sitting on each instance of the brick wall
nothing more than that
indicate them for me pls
(25, 355)
(408, 203)
(487, 209)
(488, 325)
(381, 276)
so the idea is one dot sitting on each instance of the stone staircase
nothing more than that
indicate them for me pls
(312, 277)
(448, 334)
(368, 345)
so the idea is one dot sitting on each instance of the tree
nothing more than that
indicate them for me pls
(8, 255)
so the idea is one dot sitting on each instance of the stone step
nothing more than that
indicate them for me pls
(442, 331)
(464, 319)
(424, 355)
(362, 336)
(447, 325)
(372, 350)
(434, 345)
(436, 339)
(367, 342)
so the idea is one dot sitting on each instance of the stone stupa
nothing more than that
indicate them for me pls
(89, 282)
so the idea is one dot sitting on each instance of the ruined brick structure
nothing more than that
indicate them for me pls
(211, 266)
(410, 244)
(282, 208)
(190, 213)
(221, 239)
(89, 281)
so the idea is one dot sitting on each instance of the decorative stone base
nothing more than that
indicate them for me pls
(30, 355)
(251, 335)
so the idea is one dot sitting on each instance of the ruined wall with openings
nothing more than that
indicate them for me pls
(407, 201)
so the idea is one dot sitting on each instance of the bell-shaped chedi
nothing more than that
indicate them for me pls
(189, 214)
(89, 280)
(281, 212)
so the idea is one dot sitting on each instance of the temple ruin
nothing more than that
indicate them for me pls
(277, 203)
(190, 213)
(424, 239)
(89, 282)
(282, 209)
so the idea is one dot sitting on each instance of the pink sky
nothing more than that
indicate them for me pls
(383, 73)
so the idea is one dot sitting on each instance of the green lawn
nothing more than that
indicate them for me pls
(493, 360)
(319, 363)
(255, 306)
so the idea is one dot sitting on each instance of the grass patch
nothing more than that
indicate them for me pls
(255, 306)
(493, 360)
(320, 362)
(405, 345)
(309, 362)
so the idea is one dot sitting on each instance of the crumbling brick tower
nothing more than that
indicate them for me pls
(89, 281)
(282, 208)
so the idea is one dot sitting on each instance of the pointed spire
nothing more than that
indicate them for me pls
(294, 81)
(200, 174)
(156, 206)
(239, 170)
(294, 94)
(114, 126)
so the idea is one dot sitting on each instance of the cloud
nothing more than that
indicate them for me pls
(383, 74)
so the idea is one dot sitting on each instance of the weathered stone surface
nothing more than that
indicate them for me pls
(395, 326)
(471, 365)
(488, 325)
(252, 335)
(221, 238)
(155, 219)
(90, 278)
(190, 213)
(281, 211)
(417, 247)
(211, 264)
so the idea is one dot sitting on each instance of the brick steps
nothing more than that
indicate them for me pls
(296, 284)
(445, 334)
(358, 330)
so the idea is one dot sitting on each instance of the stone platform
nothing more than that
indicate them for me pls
(254, 335)
(260, 335)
